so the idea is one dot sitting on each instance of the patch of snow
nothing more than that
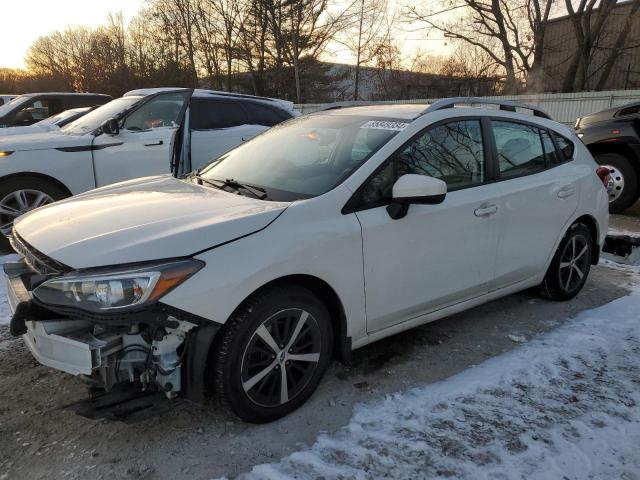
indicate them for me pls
(517, 338)
(5, 311)
(565, 405)
(622, 231)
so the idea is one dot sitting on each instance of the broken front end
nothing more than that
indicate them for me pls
(106, 325)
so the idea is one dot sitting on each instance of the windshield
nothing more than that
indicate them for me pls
(92, 120)
(9, 106)
(305, 157)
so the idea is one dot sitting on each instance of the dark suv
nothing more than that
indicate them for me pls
(33, 107)
(613, 138)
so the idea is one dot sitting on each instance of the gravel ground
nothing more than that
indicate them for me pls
(42, 434)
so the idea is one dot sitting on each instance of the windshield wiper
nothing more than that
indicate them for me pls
(258, 192)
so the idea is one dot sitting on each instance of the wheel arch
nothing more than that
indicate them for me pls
(326, 293)
(40, 176)
(591, 223)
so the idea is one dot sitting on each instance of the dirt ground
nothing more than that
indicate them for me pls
(45, 431)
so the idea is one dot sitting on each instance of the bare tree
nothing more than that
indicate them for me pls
(368, 25)
(589, 19)
(511, 32)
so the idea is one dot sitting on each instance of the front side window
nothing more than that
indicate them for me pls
(161, 111)
(519, 149)
(452, 152)
(305, 157)
(38, 110)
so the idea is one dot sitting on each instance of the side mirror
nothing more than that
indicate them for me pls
(413, 188)
(111, 127)
(23, 118)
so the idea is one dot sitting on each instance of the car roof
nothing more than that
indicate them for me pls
(203, 93)
(74, 94)
(405, 111)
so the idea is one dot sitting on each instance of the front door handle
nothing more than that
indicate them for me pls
(159, 142)
(567, 191)
(485, 210)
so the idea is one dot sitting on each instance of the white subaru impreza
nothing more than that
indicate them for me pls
(325, 233)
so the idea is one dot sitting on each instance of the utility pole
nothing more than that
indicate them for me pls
(355, 89)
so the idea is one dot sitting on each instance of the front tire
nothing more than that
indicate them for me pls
(570, 266)
(272, 353)
(622, 189)
(18, 195)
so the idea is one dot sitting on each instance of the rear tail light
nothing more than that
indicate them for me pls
(604, 175)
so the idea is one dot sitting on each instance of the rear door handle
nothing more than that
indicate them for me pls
(159, 142)
(485, 210)
(567, 191)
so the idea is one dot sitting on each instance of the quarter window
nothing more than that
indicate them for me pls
(452, 152)
(566, 146)
(519, 149)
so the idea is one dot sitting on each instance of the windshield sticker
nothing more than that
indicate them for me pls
(385, 125)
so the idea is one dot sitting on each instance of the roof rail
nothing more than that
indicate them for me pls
(507, 105)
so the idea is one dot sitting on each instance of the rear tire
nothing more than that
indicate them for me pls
(623, 186)
(570, 266)
(281, 336)
(19, 195)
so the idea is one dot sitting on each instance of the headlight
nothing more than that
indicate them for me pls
(117, 290)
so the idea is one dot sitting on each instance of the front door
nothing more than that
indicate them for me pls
(437, 255)
(144, 146)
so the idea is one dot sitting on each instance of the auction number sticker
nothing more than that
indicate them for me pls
(385, 125)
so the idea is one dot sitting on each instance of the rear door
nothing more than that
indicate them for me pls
(539, 194)
(217, 125)
(145, 144)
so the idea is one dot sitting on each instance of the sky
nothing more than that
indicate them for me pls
(23, 21)
(35, 18)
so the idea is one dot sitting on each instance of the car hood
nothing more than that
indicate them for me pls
(11, 131)
(41, 140)
(144, 219)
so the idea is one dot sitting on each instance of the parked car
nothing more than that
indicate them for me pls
(320, 236)
(48, 124)
(33, 107)
(133, 136)
(613, 138)
(6, 99)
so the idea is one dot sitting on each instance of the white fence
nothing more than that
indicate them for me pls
(563, 107)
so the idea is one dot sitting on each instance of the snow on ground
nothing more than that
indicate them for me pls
(564, 406)
(5, 312)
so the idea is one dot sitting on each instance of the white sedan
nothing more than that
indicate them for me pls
(49, 124)
(322, 235)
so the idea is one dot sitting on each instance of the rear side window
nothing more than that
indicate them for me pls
(210, 115)
(566, 147)
(259, 114)
(519, 149)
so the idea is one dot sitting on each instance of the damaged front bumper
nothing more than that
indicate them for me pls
(168, 354)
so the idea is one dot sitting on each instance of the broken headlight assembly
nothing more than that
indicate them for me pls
(116, 290)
